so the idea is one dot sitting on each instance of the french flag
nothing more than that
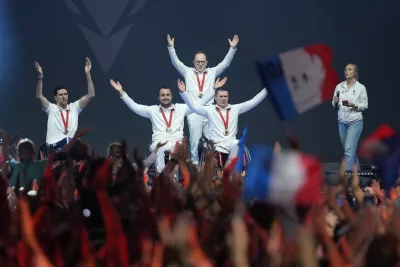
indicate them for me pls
(382, 147)
(299, 79)
(238, 152)
(290, 178)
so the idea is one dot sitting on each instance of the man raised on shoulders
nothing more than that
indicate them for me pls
(199, 81)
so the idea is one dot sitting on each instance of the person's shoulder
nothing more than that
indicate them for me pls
(154, 107)
(51, 107)
(75, 104)
(360, 85)
(180, 105)
(341, 84)
(13, 163)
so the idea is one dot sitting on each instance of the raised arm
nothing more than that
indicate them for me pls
(209, 94)
(179, 66)
(151, 159)
(193, 106)
(141, 110)
(39, 88)
(221, 67)
(248, 105)
(85, 100)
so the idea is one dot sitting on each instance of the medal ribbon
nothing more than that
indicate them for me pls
(201, 85)
(165, 118)
(226, 122)
(65, 122)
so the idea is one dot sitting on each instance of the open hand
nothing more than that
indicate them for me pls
(234, 42)
(88, 66)
(39, 69)
(219, 83)
(181, 86)
(117, 86)
(170, 40)
(160, 144)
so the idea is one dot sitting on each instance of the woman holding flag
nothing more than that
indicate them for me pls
(350, 99)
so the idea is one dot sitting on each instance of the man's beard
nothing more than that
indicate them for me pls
(165, 105)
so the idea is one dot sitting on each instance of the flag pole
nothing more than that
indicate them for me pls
(291, 138)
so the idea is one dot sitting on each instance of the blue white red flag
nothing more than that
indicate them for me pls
(299, 79)
(289, 178)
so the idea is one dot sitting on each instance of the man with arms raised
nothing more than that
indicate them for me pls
(199, 81)
(222, 117)
(167, 119)
(62, 121)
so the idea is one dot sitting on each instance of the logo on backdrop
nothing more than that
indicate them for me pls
(109, 25)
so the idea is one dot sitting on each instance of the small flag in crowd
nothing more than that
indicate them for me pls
(289, 178)
(299, 79)
(238, 152)
(382, 147)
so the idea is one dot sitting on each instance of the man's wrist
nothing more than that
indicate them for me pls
(40, 77)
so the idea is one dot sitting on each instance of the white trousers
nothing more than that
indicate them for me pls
(168, 147)
(198, 126)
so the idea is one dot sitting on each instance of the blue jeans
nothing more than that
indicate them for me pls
(349, 133)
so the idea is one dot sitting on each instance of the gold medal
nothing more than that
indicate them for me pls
(226, 132)
(66, 131)
(169, 130)
(200, 95)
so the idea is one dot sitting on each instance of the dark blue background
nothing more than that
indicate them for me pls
(361, 32)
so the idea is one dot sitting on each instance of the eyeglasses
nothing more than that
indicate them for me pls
(200, 62)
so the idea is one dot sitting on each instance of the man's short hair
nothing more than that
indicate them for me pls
(221, 89)
(60, 87)
(163, 87)
(200, 52)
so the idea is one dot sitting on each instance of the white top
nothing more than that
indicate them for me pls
(356, 94)
(215, 123)
(55, 125)
(189, 73)
(158, 123)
